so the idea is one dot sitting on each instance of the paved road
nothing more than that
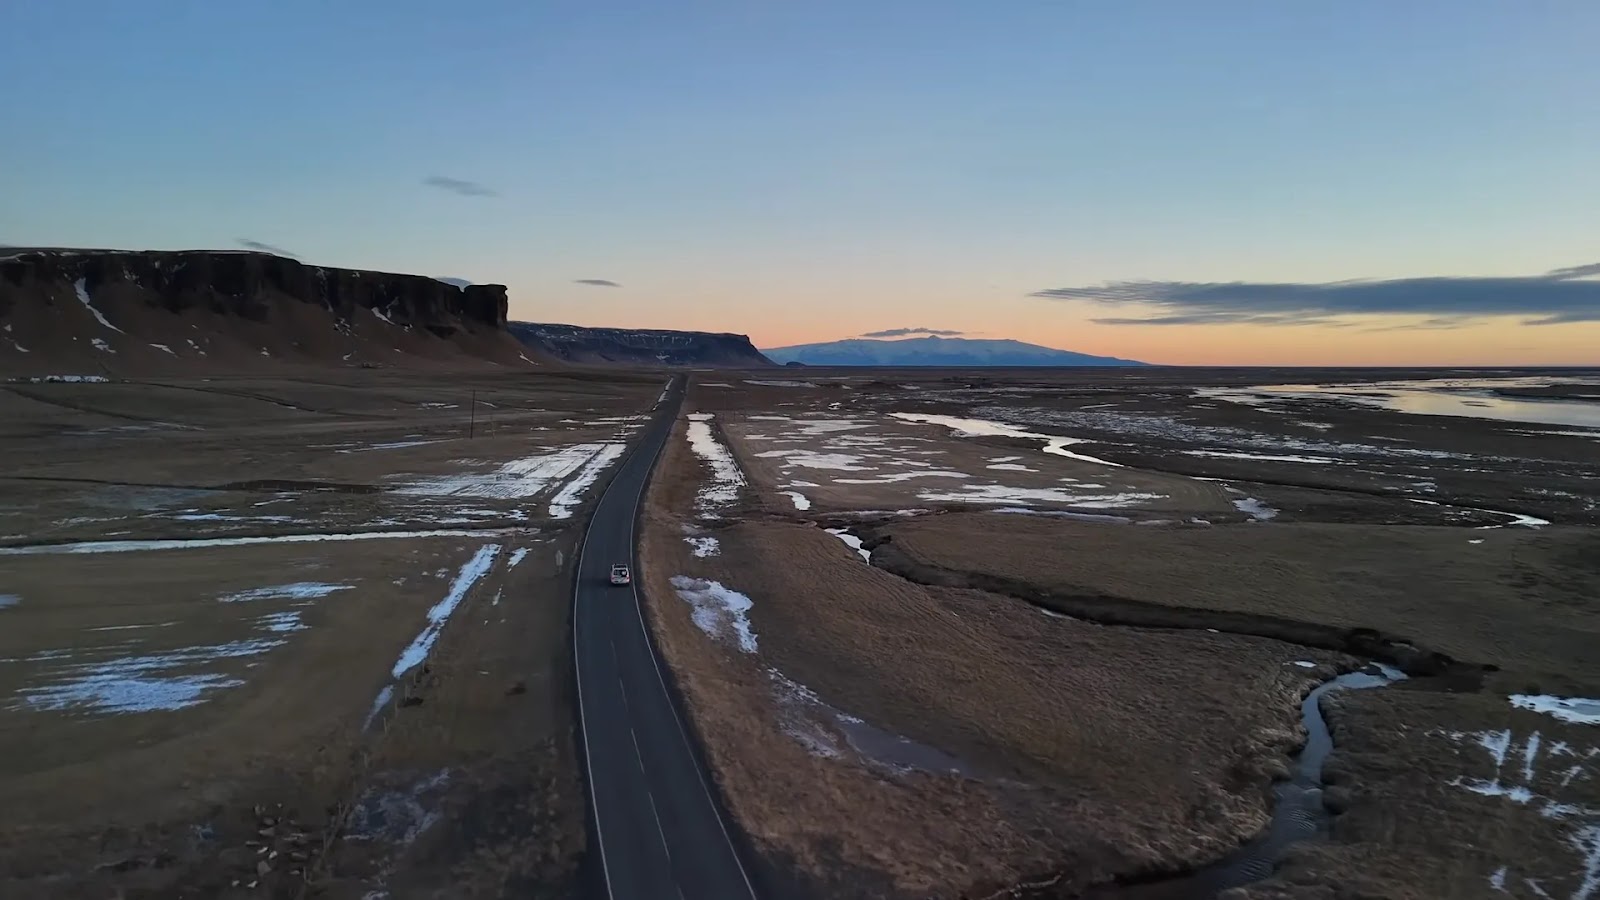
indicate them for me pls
(660, 834)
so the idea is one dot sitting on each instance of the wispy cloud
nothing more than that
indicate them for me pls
(264, 248)
(595, 282)
(460, 186)
(1562, 295)
(902, 332)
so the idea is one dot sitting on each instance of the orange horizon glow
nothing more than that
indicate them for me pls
(1373, 341)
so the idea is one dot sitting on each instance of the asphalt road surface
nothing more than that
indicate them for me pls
(660, 834)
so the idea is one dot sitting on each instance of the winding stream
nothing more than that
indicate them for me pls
(1297, 809)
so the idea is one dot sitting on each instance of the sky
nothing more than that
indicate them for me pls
(1367, 182)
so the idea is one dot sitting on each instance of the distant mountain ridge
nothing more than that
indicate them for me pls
(639, 346)
(937, 351)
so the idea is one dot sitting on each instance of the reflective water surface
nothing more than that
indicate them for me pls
(1470, 397)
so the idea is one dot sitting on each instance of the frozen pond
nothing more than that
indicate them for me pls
(1468, 397)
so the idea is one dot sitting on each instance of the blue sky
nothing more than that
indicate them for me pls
(810, 171)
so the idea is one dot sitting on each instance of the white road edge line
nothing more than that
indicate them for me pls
(649, 647)
(638, 755)
(661, 831)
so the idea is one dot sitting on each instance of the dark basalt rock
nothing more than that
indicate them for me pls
(248, 285)
(639, 346)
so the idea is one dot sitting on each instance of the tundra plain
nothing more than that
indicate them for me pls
(299, 635)
(1049, 634)
(940, 634)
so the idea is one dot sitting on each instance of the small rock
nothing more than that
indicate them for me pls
(267, 832)
(518, 688)
(262, 868)
(411, 701)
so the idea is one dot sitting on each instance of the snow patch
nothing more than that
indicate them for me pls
(299, 590)
(1577, 710)
(80, 287)
(703, 545)
(1584, 833)
(897, 477)
(133, 684)
(853, 542)
(397, 817)
(800, 501)
(1255, 509)
(281, 622)
(1053, 444)
(811, 459)
(475, 568)
(1000, 493)
(526, 477)
(66, 379)
(718, 611)
(571, 494)
(726, 479)
(391, 445)
(1263, 457)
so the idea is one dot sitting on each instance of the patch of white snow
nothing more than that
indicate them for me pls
(1577, 710)
(80, 287)
(571, 493)
(417, 651)
(718, 611)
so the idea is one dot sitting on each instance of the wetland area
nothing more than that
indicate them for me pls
(1144, 633)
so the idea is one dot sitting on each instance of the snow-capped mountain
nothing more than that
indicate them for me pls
(937, 351)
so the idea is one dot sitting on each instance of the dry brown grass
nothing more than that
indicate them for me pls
(1406, 831)
(156, 804)
(1102, 751)
(1523, 599)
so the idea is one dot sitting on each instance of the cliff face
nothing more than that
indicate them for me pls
(248, 284)
(648, 347)
(107, 310)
